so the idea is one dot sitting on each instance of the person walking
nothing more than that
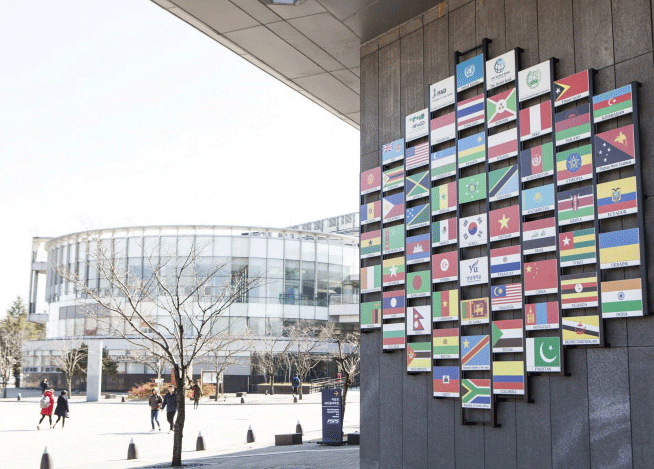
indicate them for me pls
(44, 385)
(170, 404)
(61, 411)
(47, 404)
(155, 405)
(197, 394)
(295, 382)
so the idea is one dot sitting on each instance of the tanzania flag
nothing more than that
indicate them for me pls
(418, 284)
(507, 336)
(475, 352)
(503, 145)
(418, 185)
(418, 216)
(504, 223)
(616, 198)
(370, 212)
(393, 178)
(371, 180)
(503, 183)
(476, 393)
(614, 148)
(443, 198)
(544, 354)
(418, 320)
(444, 267)
(539, 236)
(577, 247)
(535, 121)
(470, 112)
(371, 315)
(446, 381)
(393, 304)
(443, 163)
(622, 298)
(612, 104)
(576, 205)
(471, 150)
(537, 162)
(506, 297)
(581, 330)
(393, 151)
(571, 88)
(393, 336)
(508, 377)
(506, 261)
(470, 72)
(578, 290)
(443, 232)
(442, 128)
(542, 316)
(370, 279)
(541, 277)
(417, 156)
(446, 343)
(572, 125)
(393, 239)
(619, 248)
(370, 244)
(472, 188)
(538, 199)
(393, 207)
(394, 271)
(574, 165)
(474, 311)
(445, 305)
(418, 249)
(501, 108)
(418, 357)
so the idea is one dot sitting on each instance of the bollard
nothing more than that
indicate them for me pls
(294, 399)
(132, 452)
(46, 460)
(250, 437)
(242, 400)
(298, 428)
(199, 443)
(18, 397)
(122, 399)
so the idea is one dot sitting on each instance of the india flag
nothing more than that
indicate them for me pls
(622, 298)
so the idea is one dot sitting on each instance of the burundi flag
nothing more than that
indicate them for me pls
(617, 198)
(445, 305)
(470, 72)
(393, 151)
(472, 188)
(503, 183)
(473, 271)
(417, 156)
(576, 205)
(475, 352)
(471, 150)
(443, 163)
(577, 247)
(370, 244)
(446, 343)
(502, 145)
(581, 330)
(473, 230)
(445, 267)
(371, 315)
(619, 248)
(470, 112)
(579, 290)
(370, 212)
(393, 304)
(535, 121)
(474, 311)
(418, 320)
(443, 198)
(393, 271)
(622, 298)
(393, 207)
(446, 381)
(574, 165)
(418, 357)
(393, 239)
(443, 128)
(572, 125)
(418, 249)
(614, 148)
(542, 316)
(612, 104)
(539, 236)
(443, 232)
(537, 162)
(534, 81)
(541, 277)
(571, 88)
(371, 180)
(418, 216)
(506, 261)
(418, 284)
(538, 199)
(417, 185)
(476, 393)
(504, 223)
(506, 297)
(507, 336)
(501, 108)
(509, 377)
(393, 336)
(393, 178)
(543, 354)
(370, 279)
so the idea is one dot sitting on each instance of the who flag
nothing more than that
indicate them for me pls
(473, 231)
(543, 354)
(418, 249)
(501, 108)
(579, 290)
(446, 343)
(619, 248)
(538, 199)
(393, 151)
(503, 183)
(393, 336)
(581, 330)
(393, 207)
(612, 104)
(476, 393)
(509, 377)
(394, 271)
(445, 267)
(393, 304)
(504, 223)
(371, 180)
(470, 112)
(537, 162)
(370, 278)
(506, 297)
(577, 247)
(576, 205)
(474, 311)
(571, 88)
(418, 284)
(443, 128)
(472, 188)
(535, 121)
(617, 198)
(443, 232)
(475, 352)
(622, 298)
(418, 320)
(503, 145)
(572, 124)
(534, 81)
(540, 316)
(471, 150)
(393, 239)
(445, 305)
(507, 336)
(539, 236)
(393, 178)
(446, 381)
(574, 165)
(370, 244)
(417, 156)
(506, 261)
(418, 357)
(417, 216)
(371, 315)
(541, 277)
(370, 212)
(443, 163)
(470, 72)
(614, 148)
(443, 198)
(418, 185)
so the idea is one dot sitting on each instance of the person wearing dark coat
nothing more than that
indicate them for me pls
(197, 394)
(47, 410)
(170, 404)
(61, 411)
(44, 385)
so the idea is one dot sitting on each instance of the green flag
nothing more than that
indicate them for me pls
(472, 188)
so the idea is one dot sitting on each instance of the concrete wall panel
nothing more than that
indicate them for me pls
(370, 103)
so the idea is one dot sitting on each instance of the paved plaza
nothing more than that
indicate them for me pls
(98, 434)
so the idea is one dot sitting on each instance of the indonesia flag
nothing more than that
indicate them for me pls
(470, 112)
(442, 128)
(417, 156)
(503, 145)
(535, 121)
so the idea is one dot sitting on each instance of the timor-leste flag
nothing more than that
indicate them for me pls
(393, 239)
(614, 148)
(617, 198)
(579, 290)
(622, 298)
(393, 304)
(503, 145)
(539, 236)
(445, 267)
(574, 165)
(540, 277)
(445, 305)
(393, 179)
(619, 248)
(446, 381)
(507, 335)
(417, 185)
(504, 223)
(418, 320)
(536, 162)
(371, 180)
(501, 108)
(418, 249)
(418, 357)
(393, 271)
(576, 205)
(535, 121)
(508, 377)
(393, 336)
(370, 212)
(443, 198)
(613, 103)
(475, 352)
(371, 315)
(577, 247)
(542, 316)
(476, 393)
(370, 244)
(446, 343)
(572, 124)
(581, 330)
(571, 88)
(444, 232)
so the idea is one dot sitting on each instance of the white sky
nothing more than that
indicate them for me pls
(118, 113)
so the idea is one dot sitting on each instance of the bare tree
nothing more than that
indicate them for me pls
(226, 349)
(68, 355)
(305, 348)
(272, 351)
(176, 306)
(150, 355)
(345, 353)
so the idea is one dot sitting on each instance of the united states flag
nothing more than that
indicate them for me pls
(417, 156)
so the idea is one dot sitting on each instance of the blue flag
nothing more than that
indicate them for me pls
(470, 73)
(538, 199)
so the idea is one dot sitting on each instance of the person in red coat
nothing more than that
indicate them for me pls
(47, 410)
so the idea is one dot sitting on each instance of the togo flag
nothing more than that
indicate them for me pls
(619, 248)
(617, 198)
(443, 232)
(580, 330)
(577, 247)
(507, 336)
(543, 354)
(446, 343)
(443, 198)
(574, 165)
(443, 163)
(418, 357)
(445, 305)
(612, 104)
(503, 183)
(508, 377)
(501, 108)
(371, 315)
(622, 298)
(476, 393)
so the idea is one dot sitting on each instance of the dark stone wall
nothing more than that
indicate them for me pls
(602, 415)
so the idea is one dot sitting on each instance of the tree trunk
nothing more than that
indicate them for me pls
(69, 384)
(272, 383)
(180, 373)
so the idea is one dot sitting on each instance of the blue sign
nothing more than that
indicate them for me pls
(332, 421)
(470, 73)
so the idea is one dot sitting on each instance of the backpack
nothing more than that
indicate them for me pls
(44, 402)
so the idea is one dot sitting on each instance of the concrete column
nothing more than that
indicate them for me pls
(94, 371)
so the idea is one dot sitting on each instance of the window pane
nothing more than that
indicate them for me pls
(292, 249)
(308, 283)
(276, 248)
(240, 247)
(258, 247)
